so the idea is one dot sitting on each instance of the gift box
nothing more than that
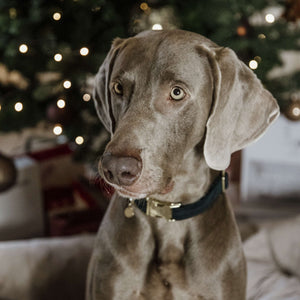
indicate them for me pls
(21, 206)
(78, 210)
(72, 203)
(57, 167)
(52, 197)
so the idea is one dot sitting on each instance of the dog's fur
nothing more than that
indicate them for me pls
(182, 145)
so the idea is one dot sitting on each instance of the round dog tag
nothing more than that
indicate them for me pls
(129, 212)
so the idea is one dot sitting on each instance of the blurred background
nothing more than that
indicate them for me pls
(51, 138)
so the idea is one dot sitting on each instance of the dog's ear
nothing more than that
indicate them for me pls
(241, 111)
(101, 94)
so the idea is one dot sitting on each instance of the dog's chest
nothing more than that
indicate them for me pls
(168, 269)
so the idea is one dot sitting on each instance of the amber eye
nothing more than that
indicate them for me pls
(118, 88)
(177, 93)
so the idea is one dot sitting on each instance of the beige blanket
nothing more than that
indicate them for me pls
(44, 269)
(273, 262)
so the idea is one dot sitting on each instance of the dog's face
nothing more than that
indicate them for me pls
(158, 94)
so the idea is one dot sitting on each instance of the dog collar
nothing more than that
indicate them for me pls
(177, 211)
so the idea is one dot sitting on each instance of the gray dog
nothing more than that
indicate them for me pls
(176, 106)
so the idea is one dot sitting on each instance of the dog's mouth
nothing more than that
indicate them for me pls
(139, 193)
(126, 193)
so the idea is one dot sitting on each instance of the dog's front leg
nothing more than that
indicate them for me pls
(123, 249)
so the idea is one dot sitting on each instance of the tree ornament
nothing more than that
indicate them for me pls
(56, 114)
(292, 10)
(241, 30)
(293, 110)
(244, 29)
(14, 78)
(8, 173)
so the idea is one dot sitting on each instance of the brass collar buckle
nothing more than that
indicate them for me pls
(159, 209)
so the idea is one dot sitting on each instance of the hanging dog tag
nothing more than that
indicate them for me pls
(129, 210)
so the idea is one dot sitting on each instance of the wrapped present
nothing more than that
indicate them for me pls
(78, 210)
(57, 167)
(21, 206)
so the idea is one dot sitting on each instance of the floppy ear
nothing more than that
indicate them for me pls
(101, 94)
(242, 109)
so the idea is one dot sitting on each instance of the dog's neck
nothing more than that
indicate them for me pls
(192, 181)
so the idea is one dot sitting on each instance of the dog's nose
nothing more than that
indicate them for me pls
(121, 170)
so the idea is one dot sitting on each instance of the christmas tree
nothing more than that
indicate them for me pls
(50, 50)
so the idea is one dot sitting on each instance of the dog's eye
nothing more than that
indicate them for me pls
(118, 88)
(177, 93)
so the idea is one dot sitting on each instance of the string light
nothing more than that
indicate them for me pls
(0, 107)
(56, 16)
(58, 57)
(261, 36)
(61, 103)
(157, 27)
(144, 6)
(19, 106)
(241, 30)
(67, 84)
(23, 48)
(253, 64)
(12, 13)
(296, 111)
(84, 51)
(86, 97)
(95, 9)
(258, 59)
(57, 129)
(79, 140)
(292, 112)
(270, 18)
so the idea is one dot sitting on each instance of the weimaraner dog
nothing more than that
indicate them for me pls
(176, 106)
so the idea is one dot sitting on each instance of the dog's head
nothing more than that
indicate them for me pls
(162, 93)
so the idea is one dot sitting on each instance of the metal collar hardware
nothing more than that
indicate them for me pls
(223, 176)
(159, 209)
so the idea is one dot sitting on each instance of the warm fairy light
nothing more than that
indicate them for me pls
(67, 84)
(144, 6)
(57, 57)
(57, 129)
(12, 13)
(86, 97)
(261, 36)
(84, 51)
(253, 64)
(23, 48)
(95, 9)
(0, 107)
(79, 140)
(296, 111)
(18, 106)
(270, 18)
(257, 58)
(56, 16)
(61, 103)
(157, 27)
(241, 31)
